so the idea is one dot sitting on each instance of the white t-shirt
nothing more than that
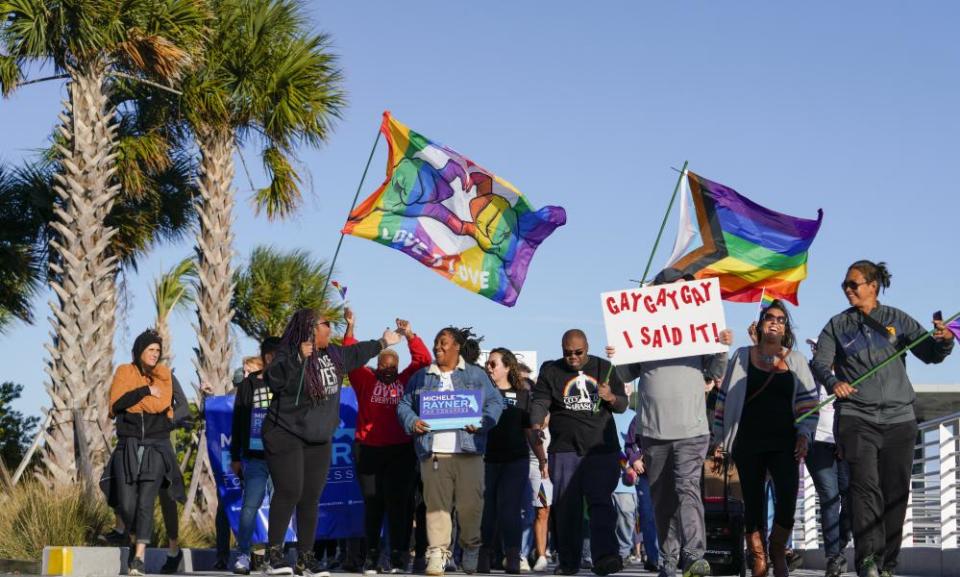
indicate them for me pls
(446, 441)
(824, 432)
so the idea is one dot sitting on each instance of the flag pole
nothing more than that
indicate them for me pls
(663, 224)
(643, 279)
(871, 372)
(356, 196)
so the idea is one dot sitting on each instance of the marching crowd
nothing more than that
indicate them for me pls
(557, 463)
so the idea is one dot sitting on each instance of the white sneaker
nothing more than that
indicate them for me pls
(242, 566)
(469, 561)
(541, 565)
(524, 565)
(436, 562)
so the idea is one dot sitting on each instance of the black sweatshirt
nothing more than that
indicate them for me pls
(577, 422)
(507, 441)
(293, 409)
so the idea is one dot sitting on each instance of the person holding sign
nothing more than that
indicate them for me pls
(876, 422)
(506, 464)
(767, 385)
(450, 407)
(246, 450)
(305, 378)
(674, 432)
(584, 450)
(385, 460)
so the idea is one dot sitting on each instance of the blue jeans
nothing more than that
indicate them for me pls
(529, 515)
(255, 479)
(626, 504)
(822, 465)
(648, 525)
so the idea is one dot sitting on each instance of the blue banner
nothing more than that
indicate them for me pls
(451, 410)
(341, 504)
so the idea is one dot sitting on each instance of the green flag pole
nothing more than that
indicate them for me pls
(663, 224)
(352, 206)
(872, 371)
(656, 243)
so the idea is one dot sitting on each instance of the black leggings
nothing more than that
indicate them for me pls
(299, 473)
(387, 477)
(785, 474)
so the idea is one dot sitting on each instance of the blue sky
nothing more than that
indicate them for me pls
(850, 107)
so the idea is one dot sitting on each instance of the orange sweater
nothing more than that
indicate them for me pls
(128, 378)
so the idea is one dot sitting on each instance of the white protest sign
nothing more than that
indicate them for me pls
(666, 321)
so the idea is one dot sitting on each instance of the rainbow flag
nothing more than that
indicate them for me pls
(340, 289)
(460, 220)
(753, 250)
(542, 496)
(954, 327)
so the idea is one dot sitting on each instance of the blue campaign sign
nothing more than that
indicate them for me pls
(341, 504)
(450, 410)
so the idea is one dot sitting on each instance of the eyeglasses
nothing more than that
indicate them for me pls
(576, 353)
(778, 319)
(852, 285)
(492, 364)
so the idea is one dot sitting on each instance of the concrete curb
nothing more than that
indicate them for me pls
(111, 561)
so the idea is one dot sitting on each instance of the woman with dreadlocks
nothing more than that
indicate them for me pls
(305, 377)
(451, 462)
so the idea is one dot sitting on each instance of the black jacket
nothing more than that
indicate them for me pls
(293, 409)
(150, 425)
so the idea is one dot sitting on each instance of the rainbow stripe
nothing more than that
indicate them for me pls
(752, 250)
(463, 222)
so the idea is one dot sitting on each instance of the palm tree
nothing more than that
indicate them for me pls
(273, 286)
(91, 43)
(265, 79)
(21, 271)
(173, 290)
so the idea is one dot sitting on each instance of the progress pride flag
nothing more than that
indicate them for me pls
(667, 321)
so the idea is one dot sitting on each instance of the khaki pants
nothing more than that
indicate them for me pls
(456, 483)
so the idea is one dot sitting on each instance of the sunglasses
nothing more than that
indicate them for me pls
(771, 318)
(852, 285)
(492, 364)
(325, 323)
(576, 353)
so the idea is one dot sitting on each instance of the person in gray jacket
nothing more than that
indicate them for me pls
(767, 386)
(876, 423)
(674, 433)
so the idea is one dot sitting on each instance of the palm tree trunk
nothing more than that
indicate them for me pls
(163, 329)
(81, 354)
(214, 259)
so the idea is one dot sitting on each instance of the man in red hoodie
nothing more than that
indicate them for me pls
(383, 453)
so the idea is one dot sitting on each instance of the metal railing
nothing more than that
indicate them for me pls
(931, 520)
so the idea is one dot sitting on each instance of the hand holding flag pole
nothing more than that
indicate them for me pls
(872, 371)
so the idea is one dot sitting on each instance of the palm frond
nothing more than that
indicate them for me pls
(282, 197)
(175, 288)
(273, 285)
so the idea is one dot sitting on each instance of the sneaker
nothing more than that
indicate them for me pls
(370, 564)
(794, 560)
(886, 573)
(276, 562)
(524, 565)
(540, 565)
(436, 563)
(172, 564)
(699, 568)
(667, 570)
(257, 560)
(309, 566)
(868, 568)
(114, 538)
(561, 570)
(836, 566)
(398, 562)
(471, 556)
(136, 567)
(419, 565)
(242, 566)
(609, 564)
